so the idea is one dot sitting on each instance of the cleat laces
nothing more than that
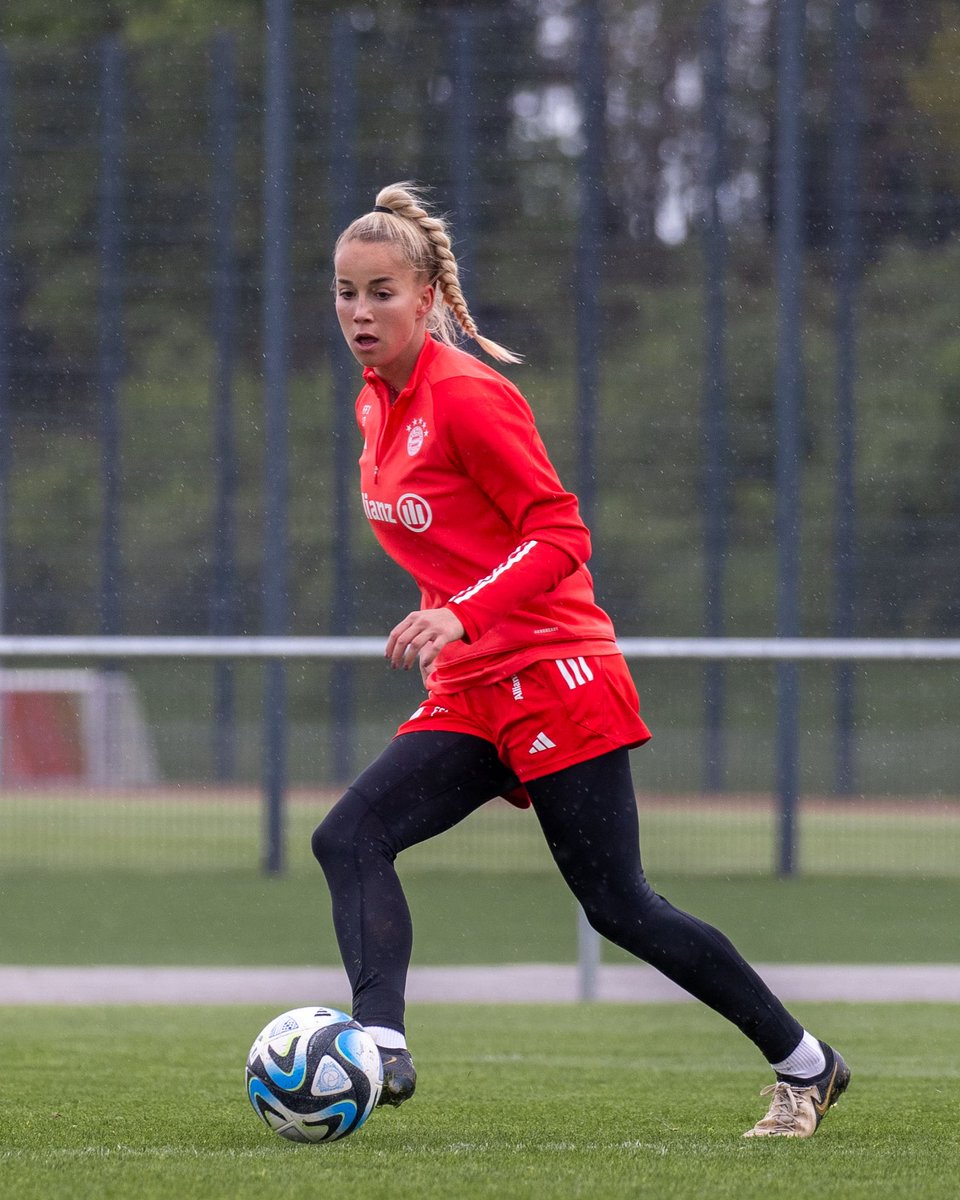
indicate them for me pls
(784, 1107)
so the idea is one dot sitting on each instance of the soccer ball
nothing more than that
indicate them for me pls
(314, 1075)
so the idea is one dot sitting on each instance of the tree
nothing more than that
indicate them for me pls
(934, 87)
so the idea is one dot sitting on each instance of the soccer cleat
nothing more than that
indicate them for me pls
(399, 1076)
(796, 1109)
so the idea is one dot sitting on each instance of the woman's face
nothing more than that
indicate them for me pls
(382, 306)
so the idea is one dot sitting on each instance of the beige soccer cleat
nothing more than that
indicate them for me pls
(796, 1110)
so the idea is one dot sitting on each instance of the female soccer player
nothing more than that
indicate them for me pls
(527, 694)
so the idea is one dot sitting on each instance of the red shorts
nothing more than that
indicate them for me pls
(550, 715)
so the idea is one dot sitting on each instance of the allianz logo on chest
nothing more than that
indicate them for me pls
(411, 511)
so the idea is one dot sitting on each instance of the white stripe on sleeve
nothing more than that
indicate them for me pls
(511, 560)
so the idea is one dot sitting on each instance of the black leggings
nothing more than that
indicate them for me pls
(425, 783)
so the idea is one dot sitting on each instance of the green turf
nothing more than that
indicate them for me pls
(169, 829)
(243, 917)
(513, 1104)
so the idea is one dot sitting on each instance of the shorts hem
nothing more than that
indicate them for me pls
(440, 725)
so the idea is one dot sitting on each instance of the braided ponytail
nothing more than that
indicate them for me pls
(400, 218)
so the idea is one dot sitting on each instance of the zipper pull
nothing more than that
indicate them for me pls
(376, 473)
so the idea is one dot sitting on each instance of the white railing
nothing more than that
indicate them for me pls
(783, 649)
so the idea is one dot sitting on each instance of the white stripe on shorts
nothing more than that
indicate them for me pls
(575, 671)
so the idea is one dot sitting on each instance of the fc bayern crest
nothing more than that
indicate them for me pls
(416, 436)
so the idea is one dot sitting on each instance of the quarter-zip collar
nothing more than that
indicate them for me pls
(424, 358)
(391, 413)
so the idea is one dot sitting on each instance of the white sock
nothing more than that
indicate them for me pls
(389, 1039)
(806, 1062)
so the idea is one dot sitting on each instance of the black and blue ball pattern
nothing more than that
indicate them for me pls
(314, 1075)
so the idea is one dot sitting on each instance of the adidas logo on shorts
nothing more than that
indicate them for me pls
(541, 742)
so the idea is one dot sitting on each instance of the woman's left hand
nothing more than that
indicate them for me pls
(421, 636)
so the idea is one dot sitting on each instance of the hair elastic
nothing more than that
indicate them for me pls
(382, 208)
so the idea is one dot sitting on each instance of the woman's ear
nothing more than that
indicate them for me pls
(425, 301)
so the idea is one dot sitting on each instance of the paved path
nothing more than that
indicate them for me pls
(530, 983)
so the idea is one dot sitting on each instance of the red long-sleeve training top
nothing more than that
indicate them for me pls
(459, 491)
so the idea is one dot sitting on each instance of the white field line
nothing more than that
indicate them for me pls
(534, 983)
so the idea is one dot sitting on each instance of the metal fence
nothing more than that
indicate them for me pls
(725, 238)
(112, 769)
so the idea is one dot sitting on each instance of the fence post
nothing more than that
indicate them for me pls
(788, 402)
(6, 327)
(846, 206)
(592, 91)
(715, 483)
(110, 321)
(588, 253)
(276, 344)
(463, 132)
(6, 341)
(343, 208)
(223, 135)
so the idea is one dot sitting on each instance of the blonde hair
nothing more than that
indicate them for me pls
(401, 219)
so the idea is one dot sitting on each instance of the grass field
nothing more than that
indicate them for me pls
(513, 1104)
(168, 828)
(172, 878)
(246, 918)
